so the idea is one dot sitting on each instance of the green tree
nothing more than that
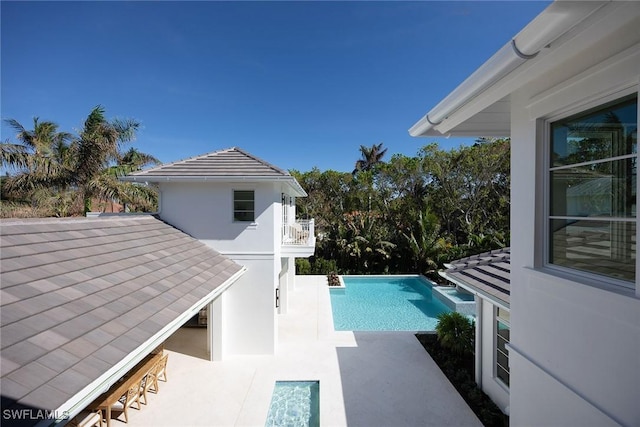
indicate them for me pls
(52, 167)
(39, 154)
(37, 148)
(411, 213)
(365, 239)
(469, 187)
(425, 243)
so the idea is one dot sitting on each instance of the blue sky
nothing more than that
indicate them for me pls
(299, 84)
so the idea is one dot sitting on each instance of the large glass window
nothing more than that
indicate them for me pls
(592, 191)
(243, 205)
(502, 339)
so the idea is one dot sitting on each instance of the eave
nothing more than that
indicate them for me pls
(480, 106)
(293, 184)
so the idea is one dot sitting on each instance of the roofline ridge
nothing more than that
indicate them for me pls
(254, 157)
(186, 159)
(211, 153)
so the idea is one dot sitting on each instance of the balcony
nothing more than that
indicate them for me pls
(298, 239)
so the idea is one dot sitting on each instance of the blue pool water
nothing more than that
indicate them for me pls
(295, 404)
(385, 303)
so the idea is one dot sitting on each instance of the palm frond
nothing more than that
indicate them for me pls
(126, 129)
(14, 155)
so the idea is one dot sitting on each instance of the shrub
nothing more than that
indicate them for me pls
(323, 266)
(333, 279)
(461, 375)
(303, 266)
(456, 333)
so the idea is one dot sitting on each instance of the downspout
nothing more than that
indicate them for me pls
(555, 21)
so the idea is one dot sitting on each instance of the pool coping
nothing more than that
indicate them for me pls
(342, 285)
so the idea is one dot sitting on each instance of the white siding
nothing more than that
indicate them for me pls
(205, 211)
(248, 324)
(575, 346)
(250, 310)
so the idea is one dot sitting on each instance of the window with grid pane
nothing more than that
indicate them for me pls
(502, 339)
(243, 205)
(592, 191)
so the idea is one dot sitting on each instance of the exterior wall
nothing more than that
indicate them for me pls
(575, 345)
(248, 323)
(205, 211)
(494, 388)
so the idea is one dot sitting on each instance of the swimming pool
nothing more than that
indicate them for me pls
(385, 303)
(295, 404)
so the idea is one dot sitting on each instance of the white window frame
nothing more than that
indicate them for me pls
(585, 277)
(497, 319)
(233, 206)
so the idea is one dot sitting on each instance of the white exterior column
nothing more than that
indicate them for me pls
(283, 286)
(292, 274)
(215, 337)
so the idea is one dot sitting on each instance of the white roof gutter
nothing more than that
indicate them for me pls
(548, 26)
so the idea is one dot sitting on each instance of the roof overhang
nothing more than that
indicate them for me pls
(92, 391)
(476, 291)
(480, 106)
(294, 186)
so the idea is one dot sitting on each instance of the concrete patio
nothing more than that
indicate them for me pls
(366, 379)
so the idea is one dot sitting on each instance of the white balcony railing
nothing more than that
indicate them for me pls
(299, 233)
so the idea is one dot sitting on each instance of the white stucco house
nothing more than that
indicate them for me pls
(565, 90)
(244, 208)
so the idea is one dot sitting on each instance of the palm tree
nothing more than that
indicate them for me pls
(369, 157)
(127, 193)
(456, 332)
(42, 143)
(40, 155)
(85, 166)
(424, 242)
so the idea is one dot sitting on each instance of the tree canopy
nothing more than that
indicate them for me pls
(406, 214)
(57, 173)
(410, 214)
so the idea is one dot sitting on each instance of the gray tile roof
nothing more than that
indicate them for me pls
(230, 165)
(487, 273)
(78, 295)
(231, 162)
